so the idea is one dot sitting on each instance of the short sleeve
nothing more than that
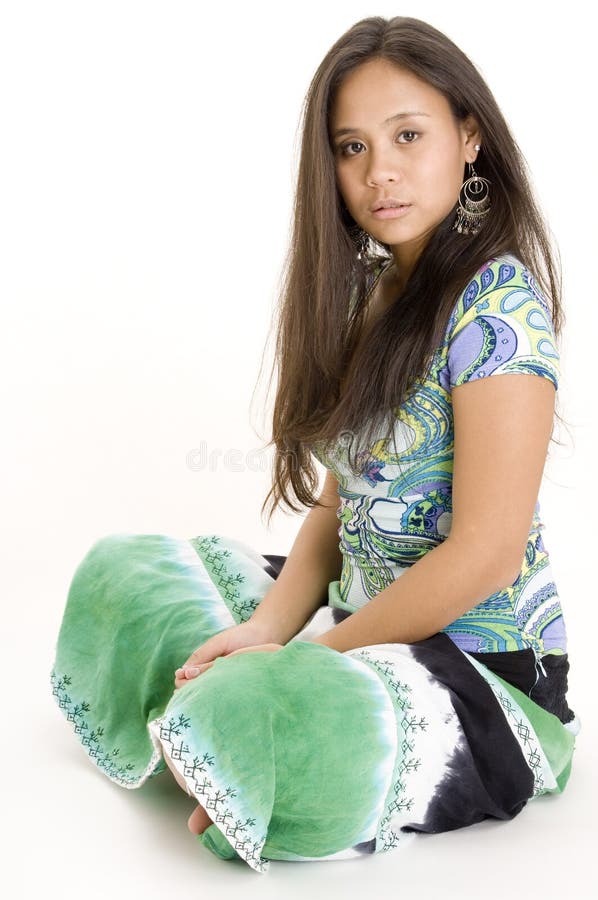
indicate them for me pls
(502, 325)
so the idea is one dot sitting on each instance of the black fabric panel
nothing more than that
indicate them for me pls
(518, 667)
(275, 564)
(488, 775)
(551, 690)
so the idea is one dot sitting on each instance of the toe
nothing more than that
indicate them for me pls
(198, 821)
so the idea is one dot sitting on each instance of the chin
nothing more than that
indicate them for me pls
(398, 234)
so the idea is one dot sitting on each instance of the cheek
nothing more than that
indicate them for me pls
(442, 179)
(344, 183)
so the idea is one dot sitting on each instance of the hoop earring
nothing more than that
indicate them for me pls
(474, 203)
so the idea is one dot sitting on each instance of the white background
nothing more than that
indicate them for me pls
(148, 160)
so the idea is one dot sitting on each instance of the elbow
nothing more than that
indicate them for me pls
(501, 566)
(506, 575)
(504, 569)
(509, 563)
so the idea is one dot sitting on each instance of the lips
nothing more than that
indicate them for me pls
(388, 203)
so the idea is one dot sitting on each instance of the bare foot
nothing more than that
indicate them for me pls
(199, 820)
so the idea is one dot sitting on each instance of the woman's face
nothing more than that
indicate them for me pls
(399, 140)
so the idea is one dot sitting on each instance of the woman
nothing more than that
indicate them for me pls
(411, 676)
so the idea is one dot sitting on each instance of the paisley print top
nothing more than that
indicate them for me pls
(401, 507)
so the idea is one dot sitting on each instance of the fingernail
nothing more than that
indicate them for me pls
(192, 671)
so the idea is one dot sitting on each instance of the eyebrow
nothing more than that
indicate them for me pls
(401, 115)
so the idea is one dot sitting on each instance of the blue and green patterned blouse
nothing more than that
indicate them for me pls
(401, 507)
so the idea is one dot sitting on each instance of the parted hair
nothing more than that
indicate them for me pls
(327, 271)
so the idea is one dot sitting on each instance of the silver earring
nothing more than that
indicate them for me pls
(474, 202)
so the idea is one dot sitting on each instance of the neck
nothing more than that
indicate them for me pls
(397, 277)
(405, 258)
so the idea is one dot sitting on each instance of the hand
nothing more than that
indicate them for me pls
(262, 648)
(229, 640)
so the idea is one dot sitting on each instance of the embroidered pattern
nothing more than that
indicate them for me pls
(526, 739)
(409, 726)
(215, 798)
(523, 731)
(226, 580)
(107, 760)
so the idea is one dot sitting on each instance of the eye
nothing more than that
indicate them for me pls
(409, 132)
(344, 148)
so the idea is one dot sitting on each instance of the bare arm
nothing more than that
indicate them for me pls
(502, 429)
(314, 561)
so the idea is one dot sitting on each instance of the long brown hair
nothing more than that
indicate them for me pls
(327, 272)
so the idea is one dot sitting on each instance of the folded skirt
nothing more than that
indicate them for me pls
(304, 753)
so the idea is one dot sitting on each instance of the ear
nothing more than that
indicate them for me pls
(471, 135)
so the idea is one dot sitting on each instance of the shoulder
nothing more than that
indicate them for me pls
(503, 283)
(501, 323)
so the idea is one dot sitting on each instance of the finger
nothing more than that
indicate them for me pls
(192, 671)
(179, 682)
(202, 654)
(182, 679)
(188, 673)
(191, 663)
(257, 648)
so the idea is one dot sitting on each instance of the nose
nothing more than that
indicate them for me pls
(382, 166)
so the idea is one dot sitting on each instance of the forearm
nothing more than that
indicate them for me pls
(441, 586)
(302, 584)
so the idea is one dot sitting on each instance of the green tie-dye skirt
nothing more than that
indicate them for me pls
(304, 753)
